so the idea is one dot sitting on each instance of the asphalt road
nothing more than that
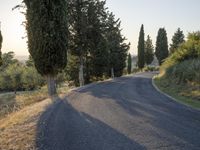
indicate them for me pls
(122, 114)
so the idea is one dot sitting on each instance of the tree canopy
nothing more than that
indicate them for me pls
(141, 47)
(1, 40)
(149, 51)
(177, 40)
(47, 32)
(161, 46)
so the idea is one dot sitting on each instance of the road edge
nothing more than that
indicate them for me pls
(170, 97)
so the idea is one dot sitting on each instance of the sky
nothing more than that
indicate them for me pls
(154, 14)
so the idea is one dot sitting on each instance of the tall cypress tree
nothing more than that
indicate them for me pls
(161, 46)
(141, 55)
(129, 67)
(1, 40)
(177, 40)
(149, 54)
(47, 37)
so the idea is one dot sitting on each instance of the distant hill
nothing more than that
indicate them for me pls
(22, 58)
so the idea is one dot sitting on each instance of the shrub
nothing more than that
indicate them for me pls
(184, 64)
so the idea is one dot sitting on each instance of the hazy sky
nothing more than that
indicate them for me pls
(154, 14)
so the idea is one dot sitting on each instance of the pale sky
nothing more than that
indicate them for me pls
(154, 14)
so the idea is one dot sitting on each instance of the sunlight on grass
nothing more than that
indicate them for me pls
(18, 130)
(186, 93)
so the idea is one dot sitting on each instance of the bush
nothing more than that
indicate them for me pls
(19, 77)
(186, 71)
(151, 68)
(184, 64)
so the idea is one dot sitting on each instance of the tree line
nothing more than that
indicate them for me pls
(146, 49)
(83, 39)
(80, 37)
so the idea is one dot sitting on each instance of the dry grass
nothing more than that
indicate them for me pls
(19, 115)
(11, 103)
(18, 130)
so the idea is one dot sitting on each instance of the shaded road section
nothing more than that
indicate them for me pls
(126, 113)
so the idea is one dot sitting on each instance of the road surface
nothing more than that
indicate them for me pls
(122, 114)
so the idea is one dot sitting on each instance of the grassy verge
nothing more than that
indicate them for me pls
(19, 115)
(10, 102)
(18, 130)
(188, 94)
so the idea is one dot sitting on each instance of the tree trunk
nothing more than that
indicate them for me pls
(81, 78)
(51, 87)
(112, 73)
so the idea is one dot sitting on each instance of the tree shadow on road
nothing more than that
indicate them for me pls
(171, 122)
(62, 127)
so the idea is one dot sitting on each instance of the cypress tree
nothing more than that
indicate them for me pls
(149, 54)
(161, 46)
(1, 40)
(129, 68)
(177, 40)
(47, 31)
(141, 55)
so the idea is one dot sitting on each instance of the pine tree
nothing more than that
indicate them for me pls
(98, 35)
(161, 46)
(141, 55)
(129, 68)
(1, 40)
(117, 47)
(149, 54)
(47, 31)
(177, 40)
(98, 47)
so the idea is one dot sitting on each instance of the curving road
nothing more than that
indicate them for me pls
(122, 114)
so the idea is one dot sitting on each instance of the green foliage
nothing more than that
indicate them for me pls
(47, 31)
(30, 62)
(177, 40)
(151, 68)
(184, 63)
(186, 71)
(1, 40)
(129, 68)
(149, 54)
(141, 49)
(16, 76)
(161, 46)
(72, 69)
(8, 59)
(31, 79)
(95, 41)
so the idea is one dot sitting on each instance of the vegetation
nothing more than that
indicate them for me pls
(47, 32)
(161, 46)
(1, 40)
(180, 73)
(149, 51)
(177, 40)
(129, 68)
(97, 50)
(15, 76)
(141, 49)
(19, 129)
